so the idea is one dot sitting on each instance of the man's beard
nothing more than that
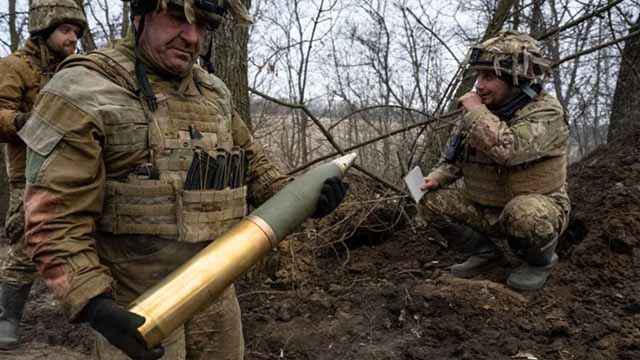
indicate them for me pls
(68, 48)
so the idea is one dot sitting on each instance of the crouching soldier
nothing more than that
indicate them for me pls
(510, 149)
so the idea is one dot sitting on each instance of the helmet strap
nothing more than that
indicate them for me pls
(526, 93)
(141, 72)
(206, 58)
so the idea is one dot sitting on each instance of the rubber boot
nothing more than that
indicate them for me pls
(534, 273)
(484, 255)
(12, 301)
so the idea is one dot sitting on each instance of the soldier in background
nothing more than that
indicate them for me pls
(127, 178)
(510, 149)
(54, 27)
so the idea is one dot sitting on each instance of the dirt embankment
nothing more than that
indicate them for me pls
(387, 295)
(393, 299)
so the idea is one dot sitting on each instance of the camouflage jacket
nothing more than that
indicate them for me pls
(22, 75)
(532, 145)
(88, 131)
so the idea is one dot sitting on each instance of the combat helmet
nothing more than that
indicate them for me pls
(210, 12)
(512, 56)
(46, 15)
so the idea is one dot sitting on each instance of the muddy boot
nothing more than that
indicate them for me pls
(12, 301)
(537, 268)
(484, 255)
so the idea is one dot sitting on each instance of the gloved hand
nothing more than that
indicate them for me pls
(119, 327)
(333, 192)
(20, 119)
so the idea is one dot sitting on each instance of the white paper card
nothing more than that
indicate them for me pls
(414, 181)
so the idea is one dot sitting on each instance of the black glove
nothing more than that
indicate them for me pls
(333, 192)
(20, 119)
(119, 327)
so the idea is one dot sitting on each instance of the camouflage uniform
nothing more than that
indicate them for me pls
(95, 225)
(22, 75)
(490, 202)
(513, 168)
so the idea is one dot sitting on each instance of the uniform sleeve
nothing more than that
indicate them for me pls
(11, 89)
(64, 195)
(445, 173)
(263, 178)
(539, 130)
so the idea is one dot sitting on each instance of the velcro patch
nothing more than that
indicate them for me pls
(40, 136)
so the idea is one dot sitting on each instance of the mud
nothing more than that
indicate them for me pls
(392, 297)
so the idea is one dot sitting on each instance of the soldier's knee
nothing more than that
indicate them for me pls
(527, 221)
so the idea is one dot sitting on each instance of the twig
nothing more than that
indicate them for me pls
(402, 8)
(595, 48)
(306, 111)
(377, 107)
(575, 22)
(330, 138)
(381, 137)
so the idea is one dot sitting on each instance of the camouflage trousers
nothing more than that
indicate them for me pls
(527, 221)
(16, 267)
(139, 262)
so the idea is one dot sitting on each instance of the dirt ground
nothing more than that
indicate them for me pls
(389, 296)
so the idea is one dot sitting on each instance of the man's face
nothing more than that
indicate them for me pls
(492, 90)
(64, 39)
(170, 41)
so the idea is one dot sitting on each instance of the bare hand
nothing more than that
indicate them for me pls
(470, 101)
(429, 184)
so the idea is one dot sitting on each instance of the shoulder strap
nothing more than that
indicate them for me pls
(109, 62)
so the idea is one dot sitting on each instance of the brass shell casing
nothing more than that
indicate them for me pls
(202, 279)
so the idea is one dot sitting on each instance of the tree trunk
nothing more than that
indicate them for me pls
(126, 13)
(13, 30)
(88, 44)
(230, 58)
(536, 21)
(625, 110)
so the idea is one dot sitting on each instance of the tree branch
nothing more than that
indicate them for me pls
(330, 138)
(403, 108)
(595, 48)
(381, 137)
(403, 9)
(575, 22)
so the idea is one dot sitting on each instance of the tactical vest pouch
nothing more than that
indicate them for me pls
(207, 214)
(493, 185)
(154, 207)
(140, 207)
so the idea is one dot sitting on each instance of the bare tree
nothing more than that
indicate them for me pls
(227, 54)
(126, 13)
(87, 40)
(625, 112)
(14, 34)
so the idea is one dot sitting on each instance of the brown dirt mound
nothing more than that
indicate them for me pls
(393, 300)
(387, 294)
